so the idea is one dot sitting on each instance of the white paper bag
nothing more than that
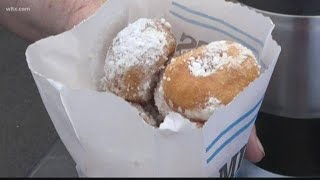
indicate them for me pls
(105, 135)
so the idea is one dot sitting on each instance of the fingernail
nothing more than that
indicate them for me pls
(260, 147)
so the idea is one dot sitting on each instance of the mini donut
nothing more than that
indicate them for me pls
(196, 83)
(135, 58)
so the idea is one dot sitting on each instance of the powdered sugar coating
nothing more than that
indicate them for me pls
(160, 101)
(216, 57)
(129, 48)
(138, 47)
(206, 112)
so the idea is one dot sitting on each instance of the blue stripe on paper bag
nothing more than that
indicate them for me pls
(217, 20)
(207, 26)
(228, 141)
(225, 131)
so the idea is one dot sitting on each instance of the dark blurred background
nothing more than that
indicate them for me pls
(29, 144)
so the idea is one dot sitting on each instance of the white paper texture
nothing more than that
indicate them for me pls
(105, 135)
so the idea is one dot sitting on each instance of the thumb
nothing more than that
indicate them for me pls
(255, 151)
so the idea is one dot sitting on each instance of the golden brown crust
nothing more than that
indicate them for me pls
(183, 90)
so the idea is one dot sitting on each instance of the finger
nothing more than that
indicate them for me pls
(255, 151)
